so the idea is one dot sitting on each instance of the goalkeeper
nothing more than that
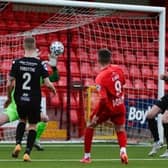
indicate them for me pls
(10, 113)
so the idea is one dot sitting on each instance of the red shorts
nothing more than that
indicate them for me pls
(117, 116)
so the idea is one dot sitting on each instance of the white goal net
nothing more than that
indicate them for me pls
(132, 36)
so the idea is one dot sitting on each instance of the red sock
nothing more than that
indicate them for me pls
(122, 138)
(88, 139)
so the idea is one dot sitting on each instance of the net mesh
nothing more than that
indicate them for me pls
(132, 38)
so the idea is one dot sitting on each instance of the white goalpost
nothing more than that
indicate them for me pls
(134, 33)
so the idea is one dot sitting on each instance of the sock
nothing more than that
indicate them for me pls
(41, 126)
(20, 132)
(88, 139)
(152, 124)
(30, 141)
(165, 126)
(123, 150)
(122, 138)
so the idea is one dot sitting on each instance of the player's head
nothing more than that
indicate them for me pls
(29, 43)
(104, 56)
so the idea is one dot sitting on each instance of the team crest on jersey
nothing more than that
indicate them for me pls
(98, 87)
(45, 66)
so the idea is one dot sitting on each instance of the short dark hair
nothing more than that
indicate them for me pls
(104, 56)
(29, 43)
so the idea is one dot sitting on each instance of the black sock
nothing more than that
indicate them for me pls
(30, 141)
(20, 132)
(165, 126)
(152, 124)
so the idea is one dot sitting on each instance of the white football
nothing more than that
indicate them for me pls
(56, 48)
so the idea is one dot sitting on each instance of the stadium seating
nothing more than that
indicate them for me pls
(62, 68)
(75, 69)
(146, 71)
(134, 71)
(128, 54)
(118, 58)
(139, 84)
(130, 58)
(141, 58)
(86, 69)
(150, 84)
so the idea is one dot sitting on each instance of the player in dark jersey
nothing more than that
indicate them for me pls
(25, 77)
(111, 105)
(161, 106)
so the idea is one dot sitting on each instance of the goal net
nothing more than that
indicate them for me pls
(132, 36)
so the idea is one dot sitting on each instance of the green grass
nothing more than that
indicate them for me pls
(68, 156)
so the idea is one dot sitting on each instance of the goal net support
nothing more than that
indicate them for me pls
(134, 34)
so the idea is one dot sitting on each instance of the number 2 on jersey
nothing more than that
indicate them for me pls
(27, 78)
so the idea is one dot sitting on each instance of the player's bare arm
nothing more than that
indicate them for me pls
(49, 85)
(10, 87)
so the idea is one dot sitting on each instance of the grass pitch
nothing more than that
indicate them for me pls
(68, 156)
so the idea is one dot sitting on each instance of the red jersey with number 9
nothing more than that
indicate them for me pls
(109, 83)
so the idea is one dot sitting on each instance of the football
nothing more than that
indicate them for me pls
(56, 48)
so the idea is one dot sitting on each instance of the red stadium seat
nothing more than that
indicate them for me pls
(141, 58)
(150, 84)
(152, 58)
(72, 55)
(54, 100)
(61, 67)
(74, 116)
(44, 53)
(146, 71)
(75, 68)
(155, 72)
(73, 101)
(21, 16)
(139, 84)
(41, 40)
(12, 24)
(118, 58)
(6, 66)
(24, 26)
(62, 82)
(2, 25)
(52, 37)
(125, 70)
(86, 68)
(89, 81)
(130, 58)
(128, 84)
(82, 55)
(136, 45)
(134, 71)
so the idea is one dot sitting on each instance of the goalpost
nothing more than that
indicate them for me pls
(134, 33)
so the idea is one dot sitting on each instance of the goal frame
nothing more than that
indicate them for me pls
(122, 7)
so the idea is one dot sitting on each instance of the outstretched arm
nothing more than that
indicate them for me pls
(49, 85)
(10, 87)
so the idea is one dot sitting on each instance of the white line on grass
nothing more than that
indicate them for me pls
(76, 145)
(76, 160)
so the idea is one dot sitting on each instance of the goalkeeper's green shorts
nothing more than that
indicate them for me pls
(11, 112)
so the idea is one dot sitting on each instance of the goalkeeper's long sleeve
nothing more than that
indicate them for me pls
(54, 77)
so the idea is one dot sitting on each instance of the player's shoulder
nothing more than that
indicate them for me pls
(16, 60)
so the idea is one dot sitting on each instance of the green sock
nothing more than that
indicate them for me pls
(40, 129)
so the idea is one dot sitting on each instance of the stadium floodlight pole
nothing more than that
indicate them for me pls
(122, 7)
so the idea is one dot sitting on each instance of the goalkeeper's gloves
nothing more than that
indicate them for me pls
(53, 60)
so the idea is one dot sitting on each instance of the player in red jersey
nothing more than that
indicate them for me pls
(111, 105)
